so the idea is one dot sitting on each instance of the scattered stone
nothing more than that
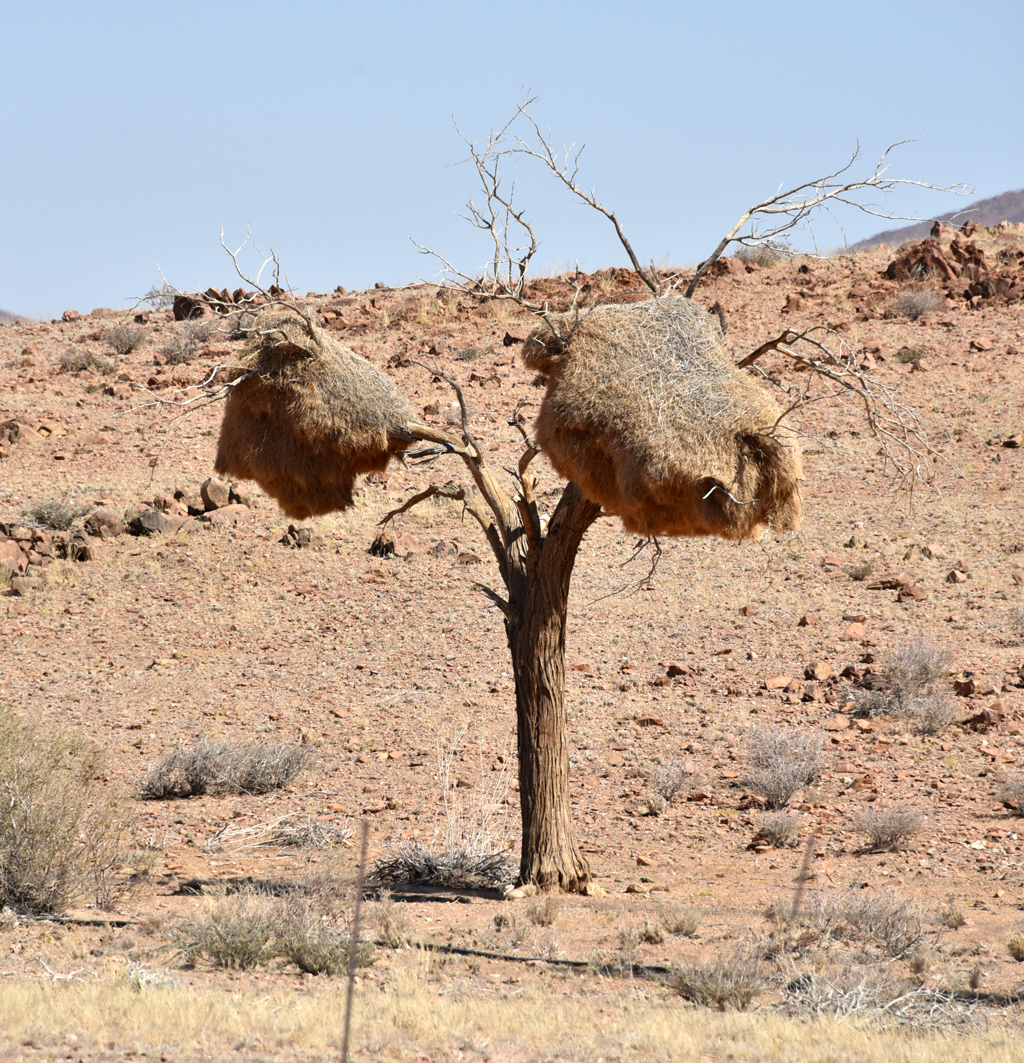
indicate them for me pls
(837, 723)
(854, 631)
(749, 610)
(819, 671)
(228, 516)
(778, 682)
(650, 721)
(22, 585)
(240, 494)
(407, 545)
(912, 593)
(71, 315)
(518, 892)
(676, 669)
(638, 887)
(854, 618)
(149, 522)
(956, 576)
(591, 889)
(933, 551)
(965, 686)
(216, 494)
(103, 523)
(807, 620)
(982, 343)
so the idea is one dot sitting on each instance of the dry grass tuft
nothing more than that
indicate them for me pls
(896, 925)
(670, 780)
(916, 302)
(393, 921)
(238, 933)
(648, 416)
(781, 762)
(887, 830)
(207, 767)
(544, 910)
(53, 514)
(1015, 947)
(306, 416)
(184, 347)
(728, 982)
(455, 866)
(910, 674)
(777, 829)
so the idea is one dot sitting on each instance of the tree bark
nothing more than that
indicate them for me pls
(538, 583)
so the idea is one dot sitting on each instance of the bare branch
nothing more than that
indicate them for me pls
(448, 490)
(772, 220)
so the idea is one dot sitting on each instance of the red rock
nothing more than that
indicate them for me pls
(778, 682)
(675, 669)
(965, 686)
(956, 576)
(854, 618)
(837, 723)
(807, 620)
(749, 610)
(650, 721)
(793, 302)
(912, 593)
(831, 561)
(819, 671)
(933, 551)
(71, 315)
(215, 494)
(228, 516)
(854, 631)
(982, 343)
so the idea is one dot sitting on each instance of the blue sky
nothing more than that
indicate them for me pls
(133, 131)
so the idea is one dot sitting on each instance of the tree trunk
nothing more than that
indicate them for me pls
(538, 584)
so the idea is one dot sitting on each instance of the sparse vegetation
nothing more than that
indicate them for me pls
(728, 982)
(779, 763)
(680, 920)
(72, 361)
(251, 767)
(860, 572)
(449, 866)
(670, 780)
(60, 837)
(1015, 947)
(929, 713)
(123, 339)
(1011, 794)
(762, 255)
(393, 921)
(951, 916)
(308, 937)
(916, 302)
(310, 833)
(776, 828)
(914, 666)
(896, 925)
(183, 348)
(887, 830)
(53, 514)
(544, 910)
(237, 933)
(909, 674)
(909, 355)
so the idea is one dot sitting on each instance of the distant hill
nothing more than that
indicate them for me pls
(1007, 207)
(7, 318)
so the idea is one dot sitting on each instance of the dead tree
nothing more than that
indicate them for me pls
(535, 563)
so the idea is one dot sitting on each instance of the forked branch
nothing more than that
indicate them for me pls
(770, 222)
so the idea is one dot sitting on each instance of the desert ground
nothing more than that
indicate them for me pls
(391, 669)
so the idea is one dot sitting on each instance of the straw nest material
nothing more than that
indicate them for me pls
(308, 417)
(646, 414)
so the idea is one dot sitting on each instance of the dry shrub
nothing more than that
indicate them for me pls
(896, 925)
(781, 762)
(543, 911)
(951, 916)
(72, 361)
(309, 937)
(238, 933)
(680, 920)
(309, 834)
(646, 414)
(183, 348)
(53, 515)
(670, 780)
(393, 921)
(929, 713)
(307, 416)
(453, 866)
(727, 982)
(1015, 947)
(59, 836)
(1011, 794)
(914, 665)
(887, 830)
(909, 675)
(762, 255)
(777, 829)
(916, 302)
(250, 767)
(123, 339)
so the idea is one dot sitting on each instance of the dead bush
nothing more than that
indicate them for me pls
(860, 572)
(309, 834)
(670, 780)
(916, 302)
(1015, 947)
(72, 361)
(913, 666)
(776, 828)
(680, 920)
(762, 255)
(929, 713)
(951, 916)
(454, 866)
(123, 339)
(728, 982)
(59, 836)
(53, 515)
(308, 936)
(895, 924)
(781, 762)
(543, 911)
(238, 933)
(393, 921)
(1011, 794)
(184, 347)
(250, 767)
(887, 830)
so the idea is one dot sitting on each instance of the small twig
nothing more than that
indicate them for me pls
(353, 942)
